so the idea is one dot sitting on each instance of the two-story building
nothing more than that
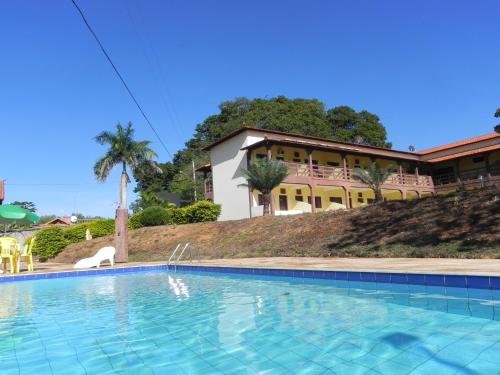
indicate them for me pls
(321, 171)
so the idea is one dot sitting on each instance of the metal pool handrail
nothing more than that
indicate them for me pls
(173, 254)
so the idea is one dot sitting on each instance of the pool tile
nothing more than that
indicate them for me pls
(381, 277)
(455, 281)
(479, 282)
(341, 275)
(434, 280)
(414, 278)
(399, 278)
(368, 276)
(354, 276)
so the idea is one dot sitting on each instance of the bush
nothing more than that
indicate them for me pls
(178, 216)
(97, 228)
(196, 213)
(202, 211)
(153, 216)
(49, 243)
(134, 222)
(101, 227)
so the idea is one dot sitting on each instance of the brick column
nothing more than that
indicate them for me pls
(121, 235)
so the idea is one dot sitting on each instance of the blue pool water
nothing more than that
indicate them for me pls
(163, 322)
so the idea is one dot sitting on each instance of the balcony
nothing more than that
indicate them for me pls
(468, 177)
(300, 172)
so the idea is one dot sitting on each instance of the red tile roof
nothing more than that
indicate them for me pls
(465, 153)
(459, 143)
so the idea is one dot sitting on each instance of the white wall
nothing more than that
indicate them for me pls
(230, 186)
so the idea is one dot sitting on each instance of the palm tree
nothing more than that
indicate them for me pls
(125, 151)
(374, 176)
(264, 175)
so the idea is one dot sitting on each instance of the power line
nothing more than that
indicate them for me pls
(120, 77)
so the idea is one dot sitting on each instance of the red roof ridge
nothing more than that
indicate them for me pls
(459, 143)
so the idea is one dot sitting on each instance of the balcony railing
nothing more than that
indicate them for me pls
(339, 174)
(466, 175)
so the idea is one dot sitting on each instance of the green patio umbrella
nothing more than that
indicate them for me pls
(10, 214)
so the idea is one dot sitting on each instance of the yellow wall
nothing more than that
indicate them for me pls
(322, 157)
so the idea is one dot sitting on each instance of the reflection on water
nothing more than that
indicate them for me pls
(165, 322)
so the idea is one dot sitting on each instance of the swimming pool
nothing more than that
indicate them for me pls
(165, 322)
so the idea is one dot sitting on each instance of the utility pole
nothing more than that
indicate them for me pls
(194, 183)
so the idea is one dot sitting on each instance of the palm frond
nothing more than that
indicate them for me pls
(103, 167)
(264, 175)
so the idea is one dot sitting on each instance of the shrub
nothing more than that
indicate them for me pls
(49, 243)
(202, 211)
(134, 222)
(101, 227)
(98, 228)
(153, 216)
(178, 216)
(75, 233)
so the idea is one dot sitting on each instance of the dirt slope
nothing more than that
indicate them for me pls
(465, 224)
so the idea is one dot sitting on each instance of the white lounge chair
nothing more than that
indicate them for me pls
(106, 253)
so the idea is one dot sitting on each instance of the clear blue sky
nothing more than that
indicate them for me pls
(429, 69)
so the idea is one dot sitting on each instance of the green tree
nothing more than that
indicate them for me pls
(497, 115)
(148, 199)
(30, 206)
(123, 150)
(264, 175)
(374, 176)
(358, 127)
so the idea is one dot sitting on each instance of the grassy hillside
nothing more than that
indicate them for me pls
(465, 224)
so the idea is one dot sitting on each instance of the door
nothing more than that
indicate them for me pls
(283, 203)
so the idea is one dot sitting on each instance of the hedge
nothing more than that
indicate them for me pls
(153, 216)
(196, 213)
(51, 241)
(97, 228)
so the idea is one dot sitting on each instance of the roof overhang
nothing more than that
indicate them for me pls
(347, 148)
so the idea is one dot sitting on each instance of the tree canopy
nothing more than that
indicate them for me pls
(30, 206)
(300, 116)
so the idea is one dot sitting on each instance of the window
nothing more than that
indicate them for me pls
(317, 202)
(361, 200)
(479, 159)
(296, 154)
(360, 195)
(299, 198)
(332, 163)
(261, 156)
(356, 163)
(336, 200)
(370, 200)
(282, 191)
(299, 191)
(281, 151)
(296, 160)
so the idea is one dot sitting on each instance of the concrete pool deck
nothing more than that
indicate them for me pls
(450, 266)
